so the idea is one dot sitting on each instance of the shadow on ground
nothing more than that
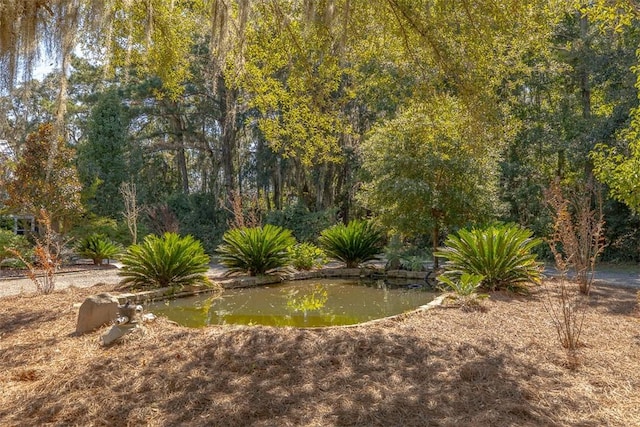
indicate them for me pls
(259, 376)
(437, 368)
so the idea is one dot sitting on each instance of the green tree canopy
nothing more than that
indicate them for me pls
(102, 157)
(430, 167)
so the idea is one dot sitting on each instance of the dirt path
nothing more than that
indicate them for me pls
(627, 277)
(619, 275)
(79, 279)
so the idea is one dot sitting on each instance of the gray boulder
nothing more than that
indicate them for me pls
(96, 311)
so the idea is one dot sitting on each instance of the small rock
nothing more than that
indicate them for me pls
(118, 331)
(148, 317)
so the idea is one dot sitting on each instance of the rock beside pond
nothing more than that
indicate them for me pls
(95, 311)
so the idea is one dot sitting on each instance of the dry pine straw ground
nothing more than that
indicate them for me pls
(443, 367)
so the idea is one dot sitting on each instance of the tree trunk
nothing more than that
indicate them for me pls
(277, 185)
(585, 86)
(228, 149)
(181, 160)
(180, 130)
(435, 237)
(319, 186)
(61, 110)
(329, 186)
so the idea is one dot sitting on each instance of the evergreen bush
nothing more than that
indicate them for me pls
(501, 253)
(255, 250)
(111, 229)
(200, 216)
(10, 244)
(170, 260)
(98, 247)
(304, 224)
(353, 244)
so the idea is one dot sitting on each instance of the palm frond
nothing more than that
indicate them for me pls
(256, 250)
(353, 244)
(98, 247)
(170, 260)
(500, 253)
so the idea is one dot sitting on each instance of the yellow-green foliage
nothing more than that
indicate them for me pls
(313, 300)
(429, 166)
(305, 256)
(289, 77)
(157, 36)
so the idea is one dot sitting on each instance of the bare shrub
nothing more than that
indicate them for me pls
(131, 208)
(578, 231)
(47, 254)
(567, 309)
(162, 219)
(248, 217)
(576, 242)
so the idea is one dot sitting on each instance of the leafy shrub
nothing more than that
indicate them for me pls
(305, 256)
(6, 223)
(355, 243)
(10, 244)
(164, 261)
(394, 252)
(304, 224)
(465, 289)
(46, 259)
(107, 227)
(413, 263)
(501, 253)
(98, 247)
(200, 216)
(255, 250)
(400, 256)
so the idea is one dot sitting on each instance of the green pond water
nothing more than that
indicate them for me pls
(303, 303)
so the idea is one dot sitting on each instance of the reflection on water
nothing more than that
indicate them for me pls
(308, 300)
(304, 303)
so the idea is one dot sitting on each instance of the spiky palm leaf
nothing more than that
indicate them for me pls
(169, 260)
(255, 250)
(98, 247)
(354, 243)
(500, 253)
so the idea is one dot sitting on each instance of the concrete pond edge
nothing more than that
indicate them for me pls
(218, 283)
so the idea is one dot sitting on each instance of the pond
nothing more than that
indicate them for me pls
(303, 303)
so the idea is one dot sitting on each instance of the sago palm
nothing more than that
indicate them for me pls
(255, 250)
(169, 260)
(500, 253)
(353, 244)
(98, 247)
